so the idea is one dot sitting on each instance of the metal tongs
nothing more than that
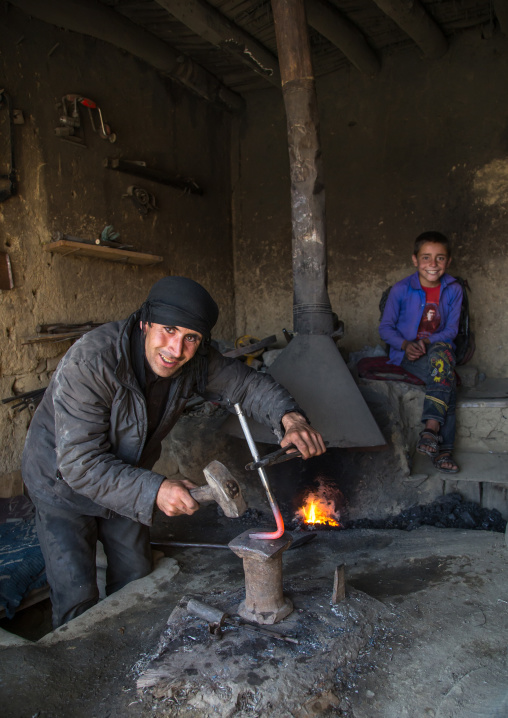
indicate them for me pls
(276, 457)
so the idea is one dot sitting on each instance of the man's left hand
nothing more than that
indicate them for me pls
(298, 432)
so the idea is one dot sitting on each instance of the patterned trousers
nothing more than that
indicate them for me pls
(436, 369)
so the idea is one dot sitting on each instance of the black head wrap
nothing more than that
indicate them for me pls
(181, 302)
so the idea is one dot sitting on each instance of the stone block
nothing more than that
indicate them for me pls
(468, 375)
(495, 496)
(469, 490)
(481, 428)
(11, 484)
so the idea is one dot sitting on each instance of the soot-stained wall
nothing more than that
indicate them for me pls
(66, 188)
(422, 146)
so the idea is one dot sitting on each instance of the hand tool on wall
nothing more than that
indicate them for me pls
(143, 200)
(138, 168)
(6, 278)
(70, 120)
(104, 240)
(28, 400)
(223, 488)
(217, 618)
(264, 479)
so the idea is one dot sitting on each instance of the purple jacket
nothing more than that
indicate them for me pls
(404, 310)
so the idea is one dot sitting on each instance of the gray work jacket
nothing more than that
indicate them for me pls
(86, 446)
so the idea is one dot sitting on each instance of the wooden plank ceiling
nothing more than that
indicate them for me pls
(221, 49)
(199, 30)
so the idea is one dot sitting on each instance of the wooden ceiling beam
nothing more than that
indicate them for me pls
(218, 30)
(92, 18)
(330, 23)
(501, 10)
(412, 17)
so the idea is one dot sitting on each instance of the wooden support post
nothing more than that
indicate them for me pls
(311, 306)
(339, 585)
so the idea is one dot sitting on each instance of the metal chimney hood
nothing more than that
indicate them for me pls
(311, 367)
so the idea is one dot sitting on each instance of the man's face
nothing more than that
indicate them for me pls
(432, 261)
(167, 348)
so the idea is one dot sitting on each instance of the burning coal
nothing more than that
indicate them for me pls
(321, 505)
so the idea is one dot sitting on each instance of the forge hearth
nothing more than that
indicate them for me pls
(262, 676)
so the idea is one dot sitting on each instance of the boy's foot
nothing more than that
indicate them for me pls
(428, 443)
(445, 463)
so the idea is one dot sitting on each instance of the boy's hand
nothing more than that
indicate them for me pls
(414, 350)
(298, 432)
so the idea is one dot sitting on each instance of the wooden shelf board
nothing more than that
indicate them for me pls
(78, 249)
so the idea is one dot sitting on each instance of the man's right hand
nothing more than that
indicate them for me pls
(174, 499)
(414, 350)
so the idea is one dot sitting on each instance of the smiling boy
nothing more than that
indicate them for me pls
(419, 323)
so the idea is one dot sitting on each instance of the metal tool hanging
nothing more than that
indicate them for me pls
(70, 120)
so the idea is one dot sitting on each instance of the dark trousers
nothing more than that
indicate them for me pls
(437, 369)
(68, 542)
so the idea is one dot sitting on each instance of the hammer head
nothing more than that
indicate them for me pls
(225, 489)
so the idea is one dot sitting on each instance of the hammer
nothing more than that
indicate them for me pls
(217, 618)
(222, 488)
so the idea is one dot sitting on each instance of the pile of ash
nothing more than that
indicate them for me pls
(450, 511)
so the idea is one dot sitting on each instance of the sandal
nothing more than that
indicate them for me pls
(445, 458)
(428, 443)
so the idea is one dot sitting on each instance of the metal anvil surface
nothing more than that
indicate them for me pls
(264, 601)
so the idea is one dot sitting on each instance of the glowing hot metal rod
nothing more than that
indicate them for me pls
(264, 479)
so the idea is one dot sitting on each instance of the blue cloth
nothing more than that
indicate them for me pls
(404, 310)
(21, 563)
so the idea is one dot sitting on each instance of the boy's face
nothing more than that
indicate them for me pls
(432, 261)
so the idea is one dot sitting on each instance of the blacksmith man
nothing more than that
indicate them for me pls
(97, 433)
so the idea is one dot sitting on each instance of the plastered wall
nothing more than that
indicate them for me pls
(422, 146)
(63, 187)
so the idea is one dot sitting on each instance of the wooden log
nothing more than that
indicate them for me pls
(414, 20)
(214, 27)
(339, 584)
(330, 23)
(311, 305)
(92, 18)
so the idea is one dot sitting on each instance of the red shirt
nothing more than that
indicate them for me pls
(431, 317)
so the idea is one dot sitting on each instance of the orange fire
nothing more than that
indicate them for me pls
(317, 510)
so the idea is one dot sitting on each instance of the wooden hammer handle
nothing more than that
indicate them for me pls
(201, 494)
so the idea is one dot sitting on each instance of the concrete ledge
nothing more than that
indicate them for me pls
(474, 466)
(144, 589)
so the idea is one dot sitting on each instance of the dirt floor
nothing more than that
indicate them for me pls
(421, 632)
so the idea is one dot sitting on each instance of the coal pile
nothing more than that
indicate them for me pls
(447, 512)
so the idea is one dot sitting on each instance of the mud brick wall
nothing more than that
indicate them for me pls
(65, 188)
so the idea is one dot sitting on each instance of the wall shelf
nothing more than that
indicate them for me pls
(82, 249)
